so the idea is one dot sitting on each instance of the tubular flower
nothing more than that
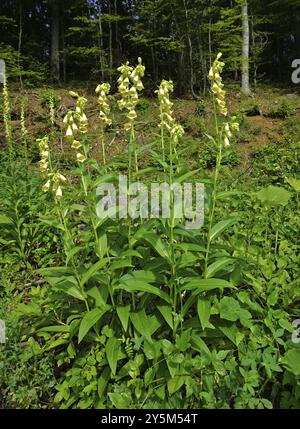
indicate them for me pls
(217, 89)
(24, 130)
(44, 154)
(228, 129)
(102, 91)
(76, 124)
(166, 119)
(217, 84)
(130, 83)
(54, 180)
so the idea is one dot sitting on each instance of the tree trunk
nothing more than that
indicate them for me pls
(20, 42)
(118, 42)
(188, 36)
(110, 44)
(100, 39)
(245, 49)
(55, 69)
(63, 44)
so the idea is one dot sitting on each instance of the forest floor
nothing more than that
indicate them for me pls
(264, 116)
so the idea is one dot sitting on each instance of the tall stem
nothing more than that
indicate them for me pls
(214, 193)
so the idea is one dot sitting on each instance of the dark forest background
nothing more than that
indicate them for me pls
(66, 40)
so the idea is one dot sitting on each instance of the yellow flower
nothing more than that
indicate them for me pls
(58, 192)
(80, 157)
(76, 144)
(46, 186)
(129, 85)
(73, 94)
(217, 84)
(132, 115)
(227, 130)
(103, 91)
(226, 141)
(69, 132)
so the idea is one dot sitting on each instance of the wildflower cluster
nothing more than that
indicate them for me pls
(129, 84)
(217, 84)
(24, 130)
(51, 109)
(6, 112)
(54, 179)
(217, 89)
(44, 154)
(102, 91)
(228, 129)
(167, 121)
(77, 122)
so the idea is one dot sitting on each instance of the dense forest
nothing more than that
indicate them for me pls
(80, 39)
(149, 207)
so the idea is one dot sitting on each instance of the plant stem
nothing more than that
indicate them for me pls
(214, 193)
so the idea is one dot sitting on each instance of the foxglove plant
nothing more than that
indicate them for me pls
(224, 132)
(130, 83)
(76, 122)
(102, 91)
(7, 122)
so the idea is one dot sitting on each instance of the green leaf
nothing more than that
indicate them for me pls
(141, 275)
(203, 285)
(89, 320)
(294, 183)
(120, 400)
(159, 246)
(231, 310)
(199, 345)
(190, 247)
(226, 194)
(221, 227)
(230, 330)
(166, 312)
(122, 263)
(123, 313)
(291, 361)
(218, 265)
(112, 349)
(103, 380)
(55, 328)
(55, 271)
(140, 286)
(175, 383)
(204, 309)
(57, 343)
(68, 286)
(95, 293)
(4, 220)
(92, 270)
(141, 323)
(273, 196)
(73, 252)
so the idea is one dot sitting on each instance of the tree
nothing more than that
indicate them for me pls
(245, 49)
(55, 33)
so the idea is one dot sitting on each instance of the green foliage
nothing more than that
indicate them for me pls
(143, 105)
(26, 377)
(283, 111)
(275, 161)
(146, 313)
